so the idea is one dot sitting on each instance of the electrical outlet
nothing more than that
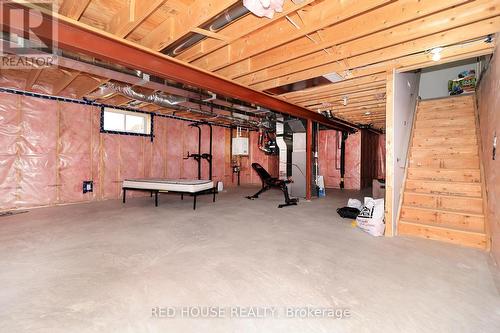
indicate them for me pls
(88, 186)
(494, 146)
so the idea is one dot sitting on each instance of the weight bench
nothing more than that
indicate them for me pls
(269, 182)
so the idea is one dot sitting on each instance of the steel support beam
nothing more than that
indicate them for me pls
(76, 37)
(309, 161)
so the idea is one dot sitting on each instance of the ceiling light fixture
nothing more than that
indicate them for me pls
(436, 53)
(368, 113)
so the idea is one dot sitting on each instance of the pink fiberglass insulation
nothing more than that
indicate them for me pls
(381, 157)
(110, 167)
(329, 159)
(95, 137)
(48, 148)
(132, 159)
(205, 148)
(75, 157)
(12, 78)
(353, 161)
(10, 130)
(157, 150)
(190, 140)
(257, 156)
(36, 148)
(218, 152)
(174, 148)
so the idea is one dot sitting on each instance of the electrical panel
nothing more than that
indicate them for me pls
(240, 146)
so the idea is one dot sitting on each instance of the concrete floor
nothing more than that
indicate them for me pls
(102, 267)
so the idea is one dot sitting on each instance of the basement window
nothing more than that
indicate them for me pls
(118, 121)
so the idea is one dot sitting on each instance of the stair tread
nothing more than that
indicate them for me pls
(445, 148)
(446, 169)
(430, 225)
(443, 195)
(449, 182)
(447, 211)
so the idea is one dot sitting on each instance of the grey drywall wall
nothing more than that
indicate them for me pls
(434, 80)
(405, 99)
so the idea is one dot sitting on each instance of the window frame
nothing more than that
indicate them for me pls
(149, 124)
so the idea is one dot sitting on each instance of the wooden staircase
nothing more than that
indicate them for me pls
(443, 190)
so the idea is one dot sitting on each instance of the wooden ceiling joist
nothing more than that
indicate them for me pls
(332, 87)
(32, 77)
(177, 26)
(245, 26)
(131, 15)
(73, 8)
(325, 13)
(389, 15)
(78, 38)
(61, 85)
(340, 93)
(301, 68)
(359, 40)
(387, 57)
(364, 95)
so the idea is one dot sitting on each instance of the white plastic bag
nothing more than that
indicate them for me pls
(371, 217)
(354, 203)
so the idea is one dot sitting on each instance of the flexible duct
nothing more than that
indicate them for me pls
(220, 21)
(155, 98)
(172, 102)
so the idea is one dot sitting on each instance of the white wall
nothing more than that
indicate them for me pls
(434, 80)
(405, 98)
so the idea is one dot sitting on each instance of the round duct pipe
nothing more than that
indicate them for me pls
(220, 21)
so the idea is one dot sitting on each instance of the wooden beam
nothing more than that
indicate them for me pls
(211, 34)
(32, 77)
(245, 26)
(337, 101)
(360, 107)
(381, 18)
(455, 18)
(81, 94)
(181, 24)
(449, 55)
(322, 97)
(64, 83)
(131, 16)
(79, 38)
(385, 55)
(73, 8)
(332, 87)
(280, 32)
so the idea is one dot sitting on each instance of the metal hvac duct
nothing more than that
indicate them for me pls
(220, 21)
(173, 102)
(160, 99)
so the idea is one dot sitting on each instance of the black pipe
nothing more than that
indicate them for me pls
(342, 158)
(198, 157)
(210, 154)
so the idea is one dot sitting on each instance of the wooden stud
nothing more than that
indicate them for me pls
(73, 8)
(389, 164)
(131, 16)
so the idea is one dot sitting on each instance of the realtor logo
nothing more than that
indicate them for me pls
(22, 44)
